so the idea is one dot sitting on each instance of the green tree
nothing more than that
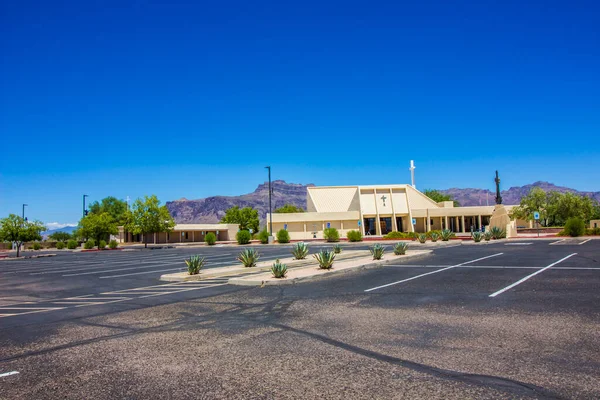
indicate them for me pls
(116, 208)
(288, 208)
(246, 218)
(571, 205)
(97, 226)
(148, 216)
(438, 196)
(536, 200)
(16, 229)
(60, 236)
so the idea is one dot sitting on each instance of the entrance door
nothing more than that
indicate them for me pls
(370, 226)
(399, 224)
(385, 223)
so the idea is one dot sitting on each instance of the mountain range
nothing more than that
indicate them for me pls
(210, 210)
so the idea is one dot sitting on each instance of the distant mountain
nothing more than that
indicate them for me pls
(68, 229)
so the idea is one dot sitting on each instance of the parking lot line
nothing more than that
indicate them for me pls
(433, 272)
(585, 241)
(8, 373)
(530, 276)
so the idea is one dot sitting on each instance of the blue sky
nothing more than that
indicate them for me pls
(192, 99)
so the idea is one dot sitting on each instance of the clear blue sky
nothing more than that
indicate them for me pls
(191, 99)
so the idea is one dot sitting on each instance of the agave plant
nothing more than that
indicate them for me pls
(422, 237)
(300, 250)
(278, 269)
(487, 236)
(248, 257)
(337, 249)
(194, 264)
(325, 258)
(446, 235)
(434, 236)
(400, 248)
(497, 233)
(377, 251)
(476, 236)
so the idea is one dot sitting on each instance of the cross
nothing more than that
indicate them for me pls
(383, 198)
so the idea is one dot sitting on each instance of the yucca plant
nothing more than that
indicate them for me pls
(422, 237)
(194, 264)
(248, 257)
(497, 233)
(377, 251)
(400, 248)
(446, 235)
(325, 258)
(487, 236)
(300, 250)
(434, 236)
(278, 269)
(337, 249)
(476, 236)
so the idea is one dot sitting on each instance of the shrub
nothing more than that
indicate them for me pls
(574, 227)
(400, 248)
(446, 235)
(36, 246)
(113, 244)
(422, 238)
(497, 233)
(434, 236)
(377, 251)
(194, 264)
(325, 258)
(102, 244)
(210, 238)
(331, 234)
(300, 250)
(72, 244)
(283, 236)
(399, 235)
(337, 249)
(431, 233)
(89, 244)
(592, 232)
(243, 237)
(354, 236)
(248, 257)
(487, 235)
(476, 236)
(60, 245)
(278, 269)
(263, 236)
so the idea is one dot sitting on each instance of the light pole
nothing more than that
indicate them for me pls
(23, 215)
(84, 211)
(270, 208)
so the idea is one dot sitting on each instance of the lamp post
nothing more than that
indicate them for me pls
(84, 211)
(270, 208)
(23, 214)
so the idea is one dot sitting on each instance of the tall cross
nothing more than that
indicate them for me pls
(498, 197)
(383, 198)
(412, 173)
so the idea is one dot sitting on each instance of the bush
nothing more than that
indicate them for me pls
(487, 235)
(300, 251)
(113, 244)
(446, 235)
(400, 235)
(325, 259)
(278, 269)
(283, 236)
(194, 264)
(89, 244)
(210, 238)
(400, 248)
(263, 236)
(243, 237)
(331, 235)
(248, 257)
(36, 246)
(422, 237)
(377, 251)
(337, 249)
(354, 236)
(431, 233)
(434, 236)
(592, 232)
(497, 233)
(60, 245)
(72, 244)
(102, 244)
(574, 227)
(477, 236)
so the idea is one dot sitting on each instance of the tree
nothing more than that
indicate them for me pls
(536, 200)
(16, 229)
(438, 196)
(116, 208)
(97, 226)
(246, 218)
(288, 208)
(148, 216)
(60, 236)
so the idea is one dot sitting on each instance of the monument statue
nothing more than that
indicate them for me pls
(498, 197)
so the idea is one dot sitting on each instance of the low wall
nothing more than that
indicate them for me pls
(542, 230)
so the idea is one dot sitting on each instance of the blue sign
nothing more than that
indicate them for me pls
(536, 215)
(285, 226)
(359, 223)
(329, 225)
(414, 221)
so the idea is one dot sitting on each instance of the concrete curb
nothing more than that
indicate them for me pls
(27, 257)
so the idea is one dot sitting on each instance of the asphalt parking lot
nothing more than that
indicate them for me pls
(515, 319)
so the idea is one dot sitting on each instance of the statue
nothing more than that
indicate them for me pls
(498, 197)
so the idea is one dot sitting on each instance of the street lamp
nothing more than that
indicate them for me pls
(23, 215)
(270, 208)
(84, 210)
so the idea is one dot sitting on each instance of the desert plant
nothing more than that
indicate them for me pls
(36, 246)
(400, 248)
(263, 236)
(354, 236)
(331, 235)
(487, 235)
(60, 245)
(248, 257)
(497, 233)
(72, 244)
(210, 238)
(422, 237)
(278, 269)
(243, 237)
(89, 244)
(337, 249)
(477, 236)
(377, 251)
(194, 264)
(102, 244)
(399, 235)
(434, 236)
(430, 233)
(113, 244)
(574, 227)
(283, 236)
(299, 251)
(325, 258)
(446, 235)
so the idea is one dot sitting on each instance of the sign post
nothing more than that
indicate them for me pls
(536, 216)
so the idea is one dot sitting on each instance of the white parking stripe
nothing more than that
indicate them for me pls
(432, 272)
(530, 276)
(585, 241)
(8, 373)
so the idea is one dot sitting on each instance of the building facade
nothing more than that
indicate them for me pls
(183, 233)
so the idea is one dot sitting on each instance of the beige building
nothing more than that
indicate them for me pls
(183, 233)
(376, 210)
(595, 223)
